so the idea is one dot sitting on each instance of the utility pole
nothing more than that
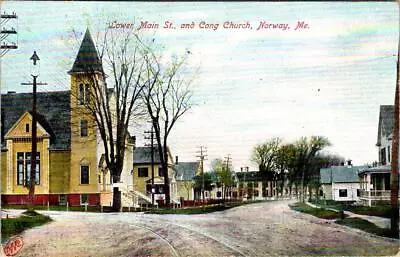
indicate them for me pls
(151, 132)
(394, 176)
(5, 32)
(202, 159)
(32, 178)
(227, 159)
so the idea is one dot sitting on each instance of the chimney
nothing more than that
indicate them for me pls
(241, 169)
(349, 163)
(176, 159)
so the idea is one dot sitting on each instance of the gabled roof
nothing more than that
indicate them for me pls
(340, 174)
(54, 114)
(186, 170)
(142, 155)
(87, 59)
(385, 126)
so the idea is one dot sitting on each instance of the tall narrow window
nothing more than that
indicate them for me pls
(37, 172)
(160, 171)
(84, 128)
(27, 127)
(389, 153)
(86, 93)
(81, 94)
(383, 156)
(27, 168)
(20, 168)
(84, 174)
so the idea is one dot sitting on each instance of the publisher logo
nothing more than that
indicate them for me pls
(13, 246)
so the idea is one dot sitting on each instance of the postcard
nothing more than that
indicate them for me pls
(199, 129)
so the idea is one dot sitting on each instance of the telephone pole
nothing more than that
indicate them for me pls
(202, 157)
(228, 161)
(6, 32)
(32, 178)
(151, 132)
(394, 176)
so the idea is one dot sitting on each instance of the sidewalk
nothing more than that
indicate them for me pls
(379, 221)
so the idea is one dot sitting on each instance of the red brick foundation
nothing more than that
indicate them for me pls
(53, 199)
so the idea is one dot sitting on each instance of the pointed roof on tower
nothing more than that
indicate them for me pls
(87, 59)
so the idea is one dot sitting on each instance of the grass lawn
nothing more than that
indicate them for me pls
(366, 226)
(13, 226)
(317, 212)
(380, 211)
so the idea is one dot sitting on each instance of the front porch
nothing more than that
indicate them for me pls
(375, 186)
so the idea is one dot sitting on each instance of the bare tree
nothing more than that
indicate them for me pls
(264, 155)
(112, 109)
(306, 150)
(167, 97)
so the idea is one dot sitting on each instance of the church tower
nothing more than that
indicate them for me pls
(86, 74)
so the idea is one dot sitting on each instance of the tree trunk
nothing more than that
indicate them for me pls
(116, 199)
(116, 195)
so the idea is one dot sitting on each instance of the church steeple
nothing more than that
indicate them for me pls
(87, 59)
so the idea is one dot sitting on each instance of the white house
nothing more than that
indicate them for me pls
(341, 183)
(375, 181)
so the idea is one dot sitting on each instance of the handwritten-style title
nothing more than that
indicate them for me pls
(263, 25)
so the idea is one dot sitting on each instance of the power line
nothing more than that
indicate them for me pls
(5, 32)
(202, 157)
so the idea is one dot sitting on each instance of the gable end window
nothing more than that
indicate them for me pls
(143, 172)
(27, 127)
(84, 174)
(84, 128)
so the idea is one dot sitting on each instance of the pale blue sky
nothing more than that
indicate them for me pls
(253, 85)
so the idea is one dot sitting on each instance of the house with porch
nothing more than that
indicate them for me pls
(375, 180)
(148, 177)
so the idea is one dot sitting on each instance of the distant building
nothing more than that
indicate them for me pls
(375, 181)
(184, 174)
(340, 183)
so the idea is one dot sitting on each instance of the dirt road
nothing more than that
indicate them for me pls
(263, 229)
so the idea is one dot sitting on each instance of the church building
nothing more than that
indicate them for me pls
(70, 156)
